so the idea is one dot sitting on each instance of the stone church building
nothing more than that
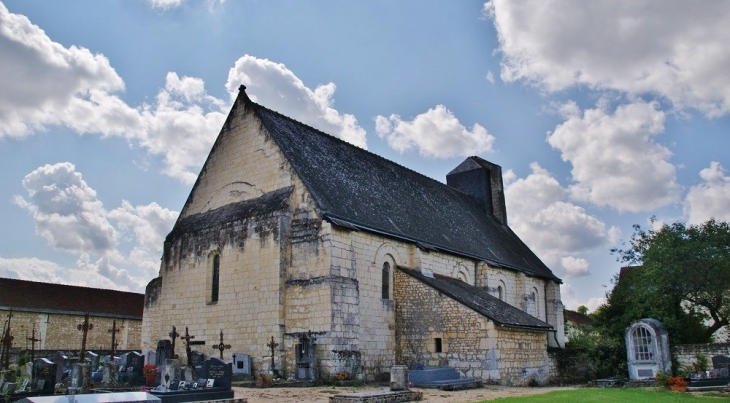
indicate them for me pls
(351, 262)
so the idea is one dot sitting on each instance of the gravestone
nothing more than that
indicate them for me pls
(170, 371)
(647, 349)
(163, 352)
(93, 359)
(44, 375)
(131, 368)
(151, 357)
(720, 361)
(196, 358)
(109, 375)
(27, 376)
(241, 364)
(80, 379)
(133, 360)
(8, 388)
(61, 361)
(217, 370)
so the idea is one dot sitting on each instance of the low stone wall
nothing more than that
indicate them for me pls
(384, 396)
(686, 354)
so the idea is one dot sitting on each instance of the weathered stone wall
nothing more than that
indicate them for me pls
(686, 354)
(59, 331)
(285, 272)
(470, 342)
(244, 165)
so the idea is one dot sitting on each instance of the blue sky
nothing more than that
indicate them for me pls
(601, 114)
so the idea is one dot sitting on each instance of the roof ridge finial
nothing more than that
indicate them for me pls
(242, 93)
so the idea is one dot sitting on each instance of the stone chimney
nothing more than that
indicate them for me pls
(482, 182)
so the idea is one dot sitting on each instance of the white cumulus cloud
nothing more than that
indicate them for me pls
(149, 224)
(276, 87)
(43, 83)
(435, 133)
(574, 267)
(571, 301)
(66, 211)
(31, 269)
(677, 50)
(68, 214)
(615, 160)
(711, 198)
(555, 229)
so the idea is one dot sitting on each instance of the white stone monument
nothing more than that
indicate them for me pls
(647, 349)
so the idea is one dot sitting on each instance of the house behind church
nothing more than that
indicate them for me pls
(351, 262)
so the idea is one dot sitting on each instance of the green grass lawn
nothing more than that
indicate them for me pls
(609, 395)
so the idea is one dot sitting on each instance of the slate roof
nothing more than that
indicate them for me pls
(480, 301)
(358, 189)
(267, 204)
(32, 296)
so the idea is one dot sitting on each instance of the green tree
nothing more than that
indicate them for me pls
(683, 280)
(583, 310)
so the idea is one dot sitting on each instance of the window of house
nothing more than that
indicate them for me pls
(643, 344)
(437, 345)
(216, 278)
(385, 289)
(500, 293)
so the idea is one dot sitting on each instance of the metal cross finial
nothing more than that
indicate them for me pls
(272, 345)
(84, 327)
(114, 330)
(220, 346)
(174, 335)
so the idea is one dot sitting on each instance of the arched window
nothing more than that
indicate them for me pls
(216, 278)
(643, 344)
(385, 288)
(500, 293)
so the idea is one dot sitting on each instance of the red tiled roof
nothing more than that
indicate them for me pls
(33, 296)
(577, 318)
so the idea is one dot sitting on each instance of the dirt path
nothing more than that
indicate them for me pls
(322, 394)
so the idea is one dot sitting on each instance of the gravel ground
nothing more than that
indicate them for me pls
(322, 394)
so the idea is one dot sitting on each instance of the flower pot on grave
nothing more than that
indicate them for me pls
(150, 378)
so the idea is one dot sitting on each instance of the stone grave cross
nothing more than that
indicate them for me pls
(32, 339)
(272, 345)
(84, 327)
(114, 330)
(220, 346)
(174, 335)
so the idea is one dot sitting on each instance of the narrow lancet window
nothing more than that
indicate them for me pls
(216, 278)
(386, 281)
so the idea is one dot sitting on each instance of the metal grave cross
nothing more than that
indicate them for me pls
(174, 335)
(84, 327)
(188, 350)
(32, 339)
(220, 346)
(114, 330)
(272, 345)
(6, 344)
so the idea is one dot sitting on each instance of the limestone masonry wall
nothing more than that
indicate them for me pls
(59, 331)
(686, 354)
(428, 320)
